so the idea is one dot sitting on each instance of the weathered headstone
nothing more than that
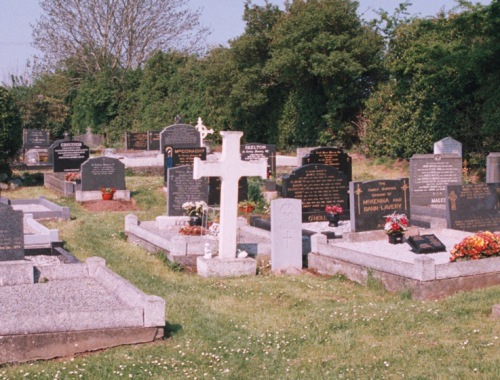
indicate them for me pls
(255, 152)
(98, 172)
(91, 139)
(371, 201)
(179, 136)
(425, 244)
(473, 207)
(136, 140)
(286, 234)
(69, 156)
(11, 234)
(448, 146)
(181, 188)
(429, 176)
(330, 156)
(153, 140)
(230, 168)
(317, 186)
(493, 167)
(36, 138)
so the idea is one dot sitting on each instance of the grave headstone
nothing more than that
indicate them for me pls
(69, 155)
(179, 136)
(473, 207)
(493, 167)
(429, 176)
(286, 234)
(32, 157)
(203, 130)
(153, 140)
(317, 186)
(11, 233)
(330, 156)
(448, 146)
(91, 139)
(371, 201)
(174, 157)
(425, 244)
(214, 187)
(181, 188)
(36, 138)
(255, 152)
(102, 171)
(302, 152)
(50, 149)
(136, 140)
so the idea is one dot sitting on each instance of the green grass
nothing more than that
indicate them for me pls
(267, 326)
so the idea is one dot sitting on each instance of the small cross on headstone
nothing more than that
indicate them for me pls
(230, 168)
(203, 130)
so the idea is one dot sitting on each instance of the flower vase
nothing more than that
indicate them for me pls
(396, 238)
(107, 196)
(333, 219)
(195, 221)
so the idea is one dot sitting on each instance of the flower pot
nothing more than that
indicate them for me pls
(107, 196)
(396, 238)
(195, 221)
(333, 219)
(247, 209)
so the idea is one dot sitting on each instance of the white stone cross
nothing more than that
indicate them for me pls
(230, 168)
(203, 131)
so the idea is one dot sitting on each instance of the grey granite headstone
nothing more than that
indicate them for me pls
(429, 176)
(448, 146)
(103, 171)
(255, 151)
(493, 167)
(11, 234)
(335, 157)
(286, 234)
(91, 139)
(179, 136)
(317, 186)
(181, 187)
(371, 201)
(36, 138)
(69, 155)
(473, 207)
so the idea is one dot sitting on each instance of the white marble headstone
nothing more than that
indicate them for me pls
(286, 234)
(448, 146)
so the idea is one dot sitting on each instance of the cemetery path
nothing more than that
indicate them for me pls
(113, 205)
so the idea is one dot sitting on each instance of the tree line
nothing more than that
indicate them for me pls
(314, 73)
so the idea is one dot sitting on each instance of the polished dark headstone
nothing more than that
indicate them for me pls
(255, 151)
(69, 155)
(181, 188)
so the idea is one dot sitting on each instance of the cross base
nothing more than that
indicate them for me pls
(226, 267)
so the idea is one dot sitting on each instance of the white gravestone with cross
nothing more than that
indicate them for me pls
(230, 168)
(286, 234)
(204, 132)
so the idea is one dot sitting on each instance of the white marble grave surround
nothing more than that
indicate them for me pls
(286, 234)
(230, 168)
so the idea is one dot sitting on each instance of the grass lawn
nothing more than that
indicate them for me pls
(267, 326)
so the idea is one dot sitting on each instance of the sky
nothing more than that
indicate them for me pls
(222, 17)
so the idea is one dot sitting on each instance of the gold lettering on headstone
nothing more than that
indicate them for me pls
(358, 193)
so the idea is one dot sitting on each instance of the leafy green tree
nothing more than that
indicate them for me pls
(11, 137)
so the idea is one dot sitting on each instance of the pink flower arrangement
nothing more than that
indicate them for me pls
(334, 209)
(478, 246)
(395, 223)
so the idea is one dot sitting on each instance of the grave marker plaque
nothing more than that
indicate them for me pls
(317, 186)
(179, 136)
(11, 233)
(330, 156)
(153, 140)
(36, 138)
(448, 146)
(69, 156)
(136, 140)
(103, 171)
(181, 156)
(181, 188)
(286, 234)
(371, 201)
(473, 207)
(429, 176)
(254, 152)
(425, 244)
(493, 167)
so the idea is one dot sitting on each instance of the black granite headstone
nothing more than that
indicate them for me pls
(179, 136)
(153, 140)
(429, 176)
(103, 171)
(473, 207)
(181, 188)
(425, 244)
(50, 149)
(371, 201)
(136, 140)
(36, 138)
(11, 233)
(174, 157)
(330, 156)
(69, 156)
(214, 186)
(317, 186)
(255, 152)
